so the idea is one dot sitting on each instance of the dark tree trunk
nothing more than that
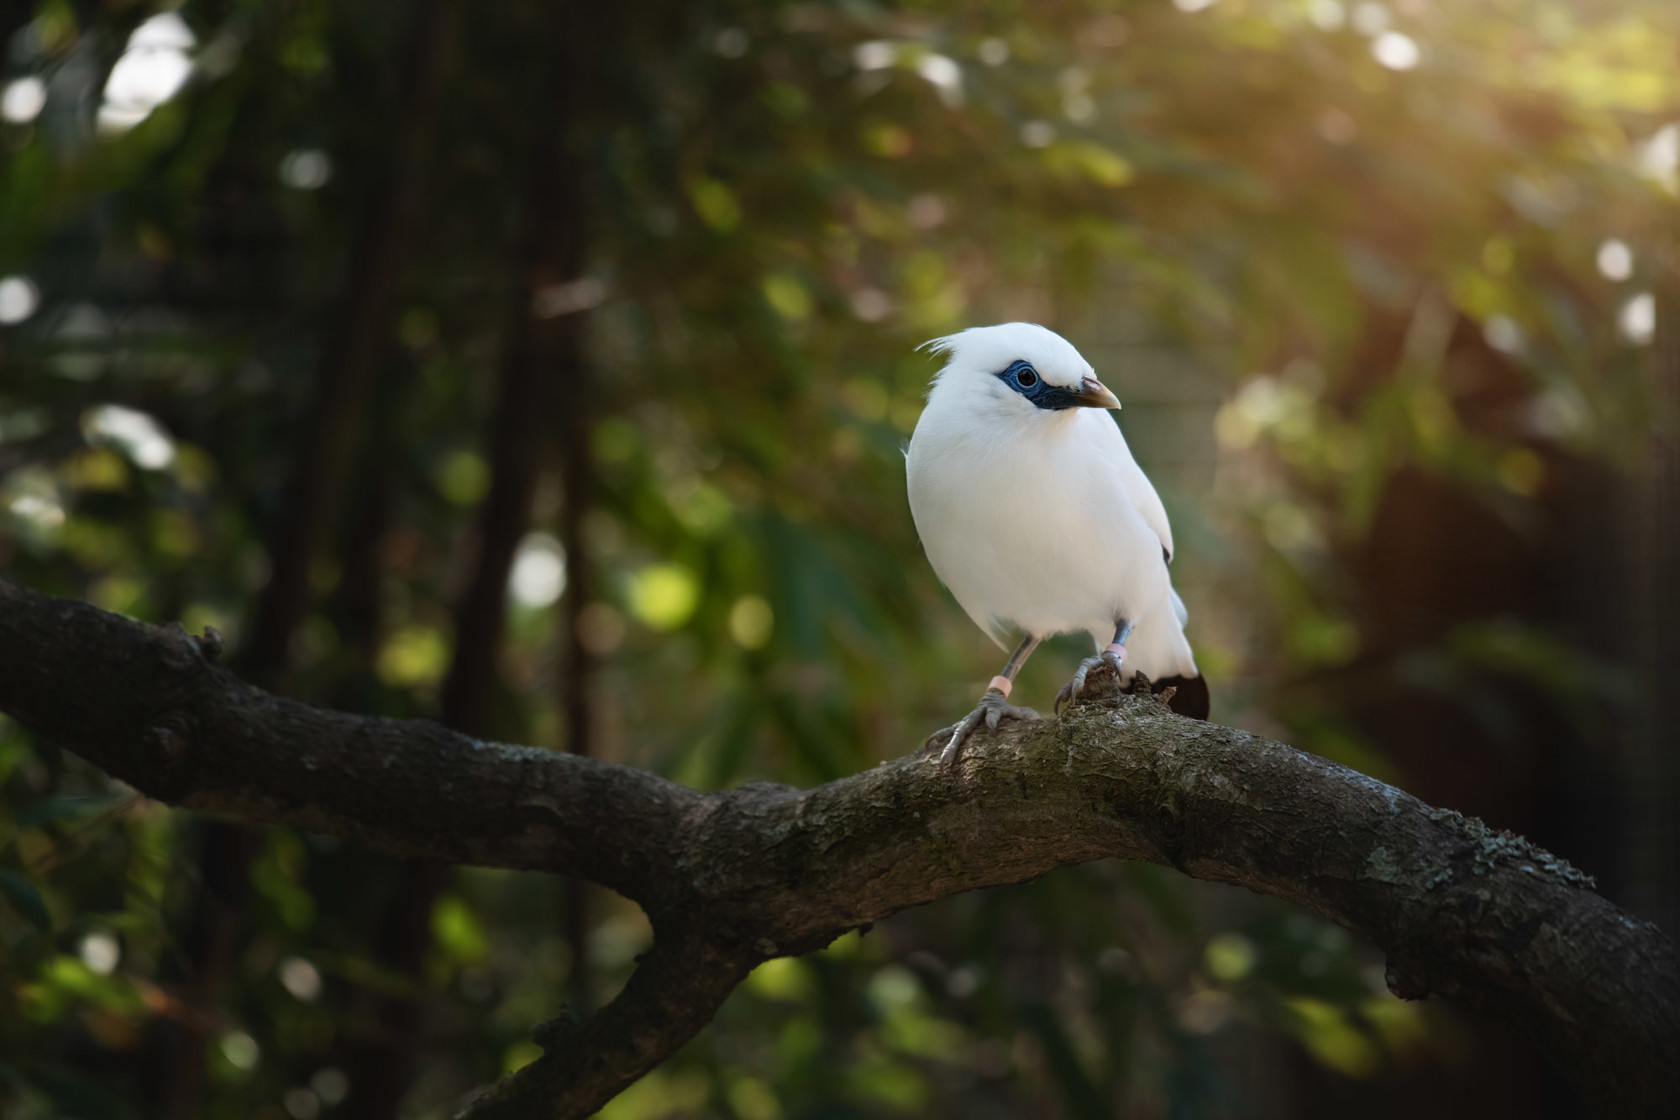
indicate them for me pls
(326, 449)
(1653, 762)
(542, 356)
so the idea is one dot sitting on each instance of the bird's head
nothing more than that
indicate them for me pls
(1021, 367)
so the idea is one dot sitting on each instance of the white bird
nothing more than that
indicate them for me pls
(1033, 512)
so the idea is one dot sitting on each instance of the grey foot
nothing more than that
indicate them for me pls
(993, 707)
(1073, 689)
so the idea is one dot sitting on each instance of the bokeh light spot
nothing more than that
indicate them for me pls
(306, 169)
(19, 297)
(300, 978)
(716, 205)
(1395, 50)
(241, 1050)
(751, 622)
(1329, 1037)
(100, 951)
(1371, 18)
(538, 578)
(331, 1084)
(1615, 259)
(1504, 334)
(730, 42)
(23, 99)
(301, 1104)
(151, 70)
(1038, 134)
(139, 436)
(871, 304)
(1521, 471)
(413, 655)
(663, 596)
(943, 74)
(1327, 15)
(1638, 319)
(1230, 957)
(876, 54)
(788, 296)
(463, 477)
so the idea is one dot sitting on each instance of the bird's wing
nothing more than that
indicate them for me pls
(1179, 609)
(1139, 490)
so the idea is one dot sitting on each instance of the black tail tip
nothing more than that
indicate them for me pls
(1190, 695)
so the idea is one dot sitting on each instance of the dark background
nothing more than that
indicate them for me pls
(544, 369)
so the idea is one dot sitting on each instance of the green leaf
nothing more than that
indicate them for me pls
(49, 810)
(26, 900)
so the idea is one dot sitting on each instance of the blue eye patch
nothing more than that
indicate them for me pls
(1020, 376)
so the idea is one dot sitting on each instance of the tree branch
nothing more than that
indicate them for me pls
(150, 706)
(729, 880)
(674, 992)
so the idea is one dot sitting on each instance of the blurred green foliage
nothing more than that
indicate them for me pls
(1318, 248)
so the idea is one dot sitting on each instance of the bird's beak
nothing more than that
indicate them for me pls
(1094, 394)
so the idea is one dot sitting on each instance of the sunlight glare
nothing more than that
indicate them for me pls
(1395, 51)
(1638, 320)
(19, 297)
(539, 571)
(141, 437)
(1615, 259)
(151, 71)
(943, 74)
(100, 952)
(1659, 157)
(23, 100)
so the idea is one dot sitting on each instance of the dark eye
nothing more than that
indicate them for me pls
(1025, 377)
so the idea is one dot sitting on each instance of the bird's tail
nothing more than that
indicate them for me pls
(1189, 697)
(1161, 651)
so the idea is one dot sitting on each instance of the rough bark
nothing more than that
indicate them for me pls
(732, 879)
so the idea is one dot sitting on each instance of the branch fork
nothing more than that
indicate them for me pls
(732, 879)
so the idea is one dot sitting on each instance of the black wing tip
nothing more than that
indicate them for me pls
(1190, 695)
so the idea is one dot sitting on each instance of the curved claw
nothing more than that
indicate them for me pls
(1072, 690)
(992, 709)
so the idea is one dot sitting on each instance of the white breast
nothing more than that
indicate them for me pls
(1029, 521)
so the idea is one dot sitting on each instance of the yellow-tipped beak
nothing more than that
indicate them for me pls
(1094, 394)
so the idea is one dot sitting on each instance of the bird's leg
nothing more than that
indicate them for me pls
(1111, 659)
(994, 705)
